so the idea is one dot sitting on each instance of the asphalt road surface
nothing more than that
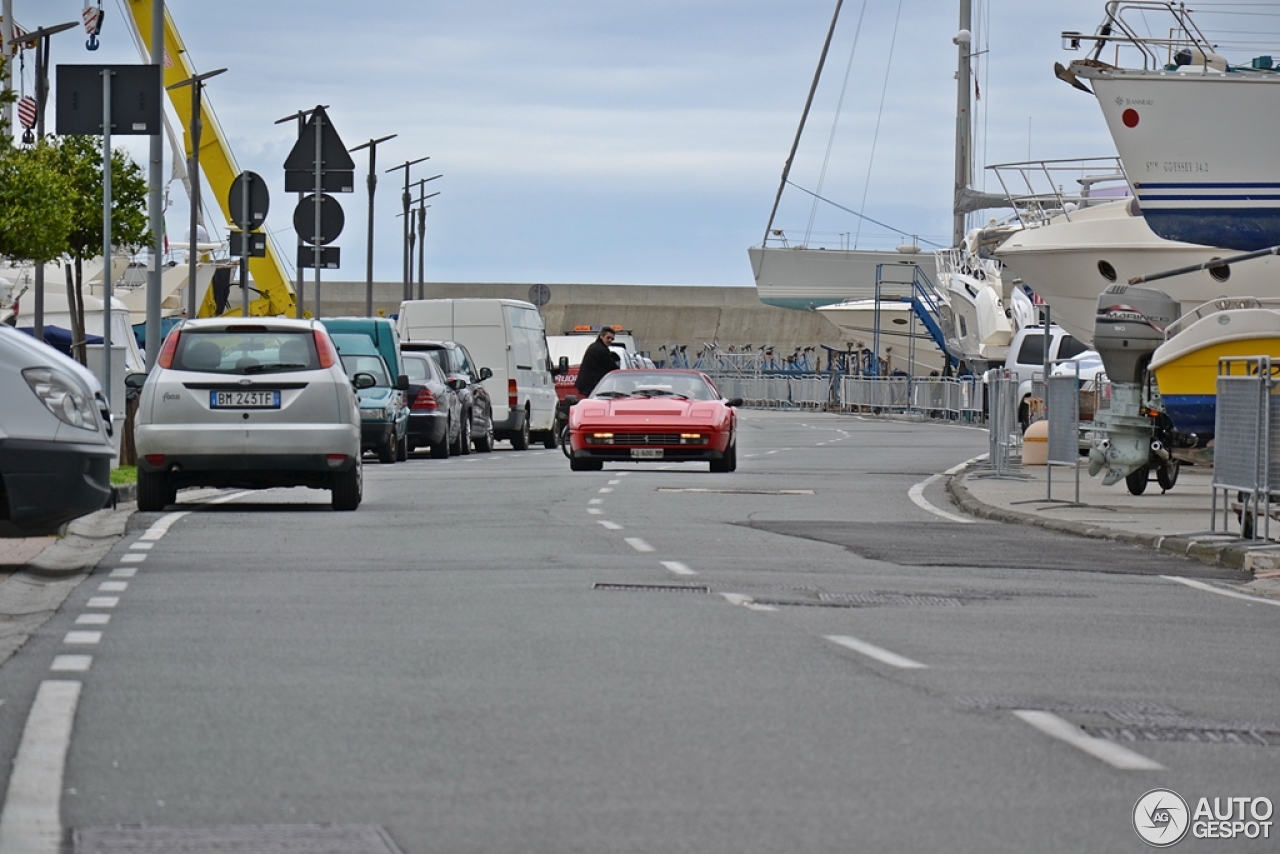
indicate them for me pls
(494, 654)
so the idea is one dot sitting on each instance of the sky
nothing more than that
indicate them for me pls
(638, 142)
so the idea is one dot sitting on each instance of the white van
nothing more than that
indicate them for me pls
(506, 336)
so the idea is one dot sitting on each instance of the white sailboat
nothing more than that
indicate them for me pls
(1196, 134)
(849, 285)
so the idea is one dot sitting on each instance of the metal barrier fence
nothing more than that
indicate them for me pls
(1246, 440)
(957, 399)
(1004, 437)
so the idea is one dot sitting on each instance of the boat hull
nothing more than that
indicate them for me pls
(902, 348)
(1198, 146)
(808, 278)
(1186, 371)
(1064, 262)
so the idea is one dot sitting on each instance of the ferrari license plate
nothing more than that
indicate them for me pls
(646, 453)
(256, 399)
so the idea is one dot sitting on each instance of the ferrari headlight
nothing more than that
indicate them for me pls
(64, 397)
(693, 439)
(600, 438)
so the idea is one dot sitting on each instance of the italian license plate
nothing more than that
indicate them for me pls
(257, 399)
(646, 453)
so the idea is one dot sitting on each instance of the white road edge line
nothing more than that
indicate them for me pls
(1209, 588)
(872, 651)
(678, 568)
(916, 493)
(31, 821)
(1109, 752)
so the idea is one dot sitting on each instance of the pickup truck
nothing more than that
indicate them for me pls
(1026, 360)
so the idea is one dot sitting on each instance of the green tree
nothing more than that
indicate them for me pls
(79, 160)
(35, 198)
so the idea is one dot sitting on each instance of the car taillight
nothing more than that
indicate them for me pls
(155, 459)
(324, 350)
(424, 400)
(513, 393)
(170, 346)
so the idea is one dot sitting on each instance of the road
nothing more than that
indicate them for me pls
(496, 654)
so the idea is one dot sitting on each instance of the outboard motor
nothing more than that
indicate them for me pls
(1129, 326)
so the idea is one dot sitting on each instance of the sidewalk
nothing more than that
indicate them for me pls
(1178, 521)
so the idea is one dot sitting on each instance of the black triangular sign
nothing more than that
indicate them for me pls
(333, 154)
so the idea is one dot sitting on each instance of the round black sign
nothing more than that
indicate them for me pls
(259, 200)
(539, 295)
(331, 220)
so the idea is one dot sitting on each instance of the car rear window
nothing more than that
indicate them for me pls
(231, 351)
(419, 368)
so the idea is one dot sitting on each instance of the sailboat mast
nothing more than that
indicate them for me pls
(964, 117)
(804, 116)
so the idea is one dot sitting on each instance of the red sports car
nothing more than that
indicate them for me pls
(650, 415)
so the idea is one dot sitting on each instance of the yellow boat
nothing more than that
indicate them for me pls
(1186, 364)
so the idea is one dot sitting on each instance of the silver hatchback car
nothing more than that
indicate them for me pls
(250, 403)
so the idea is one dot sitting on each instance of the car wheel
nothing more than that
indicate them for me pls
(520, 441)
(586, 465)
(464, 437)
(402, 449)
(387, 450)
(347, 489)
(549, 440)
(733, 458)
(484, 442)
(154, 491)
(722, 464)
(440, 450)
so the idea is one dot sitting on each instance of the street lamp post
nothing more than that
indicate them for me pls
(404, 198)
(422, 242)
(197, 86)
(40, 39)
(372, 183)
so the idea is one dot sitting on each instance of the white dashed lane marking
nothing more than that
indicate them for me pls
(612, 526)
(604, 489)
(746, 602)
(884, 656)
(72, 663)
(1108, 751)
(82, 637)
(678, 568)
(102, 602)
(124, 572)
(113, 586)
(639, 544)
(129, 557)
(93, 619)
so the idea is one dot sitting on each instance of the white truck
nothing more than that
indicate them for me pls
(509, 338)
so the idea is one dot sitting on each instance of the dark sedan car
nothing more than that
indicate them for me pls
(435, 410)
(465, 379)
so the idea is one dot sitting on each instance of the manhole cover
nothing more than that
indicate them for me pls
(236, 839)
(653, 588)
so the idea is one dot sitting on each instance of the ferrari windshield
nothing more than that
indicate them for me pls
(682, 384)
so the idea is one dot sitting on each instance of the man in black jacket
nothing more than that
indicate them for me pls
(596, 362)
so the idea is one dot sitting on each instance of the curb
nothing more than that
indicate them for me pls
(1248, 559)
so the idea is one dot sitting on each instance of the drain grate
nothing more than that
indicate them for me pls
(1139, 721)
(653, 588)
(236, 839)
(1189, 736)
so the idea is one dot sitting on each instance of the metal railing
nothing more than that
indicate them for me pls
(1246, 453)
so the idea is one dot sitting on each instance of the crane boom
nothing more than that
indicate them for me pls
(216, 163)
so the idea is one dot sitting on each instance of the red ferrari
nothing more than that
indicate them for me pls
(651, 415)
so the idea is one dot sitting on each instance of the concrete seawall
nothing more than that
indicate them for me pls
(658, 315)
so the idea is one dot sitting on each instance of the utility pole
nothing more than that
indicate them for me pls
(371, 182)
(193, 167)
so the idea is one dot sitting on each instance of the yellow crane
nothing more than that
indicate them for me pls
(217, 164)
